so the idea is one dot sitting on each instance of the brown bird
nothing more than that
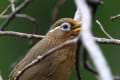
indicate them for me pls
(58, 65)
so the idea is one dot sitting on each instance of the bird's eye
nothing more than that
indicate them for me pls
(65, 26)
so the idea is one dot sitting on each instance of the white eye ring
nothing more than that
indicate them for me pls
(65, 27)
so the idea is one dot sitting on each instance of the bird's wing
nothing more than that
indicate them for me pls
(41, 67)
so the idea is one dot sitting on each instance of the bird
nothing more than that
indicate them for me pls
(57, 66)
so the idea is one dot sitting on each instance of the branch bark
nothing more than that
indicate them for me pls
(87, 40)
(35, 36)
(12, 15)
(21, 35)
(1, 77)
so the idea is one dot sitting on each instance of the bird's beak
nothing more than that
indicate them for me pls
(76, 27)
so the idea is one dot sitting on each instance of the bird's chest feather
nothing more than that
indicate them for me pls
(57, 66)
(64, 60)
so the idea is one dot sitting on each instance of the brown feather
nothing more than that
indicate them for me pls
(57, 66)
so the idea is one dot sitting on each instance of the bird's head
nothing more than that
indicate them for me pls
(65, 28)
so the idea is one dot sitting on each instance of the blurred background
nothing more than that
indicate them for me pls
(12, 49)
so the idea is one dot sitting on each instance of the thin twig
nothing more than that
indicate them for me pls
(77, 60)
(32, 19)
(21, 35)
(40, 58)
(12, 3)
(86, 64)
(1, 77)
(88, 67)
(115, 17)
(35, 36)
(117, 78)
(5, 10)
(87, 40)
(78, 16)
(107, 41)
(103, 30)
(12, 15)
(94, 5)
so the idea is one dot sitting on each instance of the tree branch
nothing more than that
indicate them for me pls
(34, 36)
(107, 41)
(103, 30)
(21, 35)
(32, 19)
(77, 59)
(86, 64)
(12, 15)
(87, 40)
(115, 17)
(1, 77)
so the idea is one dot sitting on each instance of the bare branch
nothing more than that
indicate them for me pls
(12, 15)
(5, 10)
(32, 19)
(86, 64)
(107, 41)
(12, 5)
(40, 58)
(115, 17)
(78, 16)
(94, 5)
(34, 36)
(27, 17)
(94, 51)
(1, 77)
(77, 59)
(22, 35)
(103, 30)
